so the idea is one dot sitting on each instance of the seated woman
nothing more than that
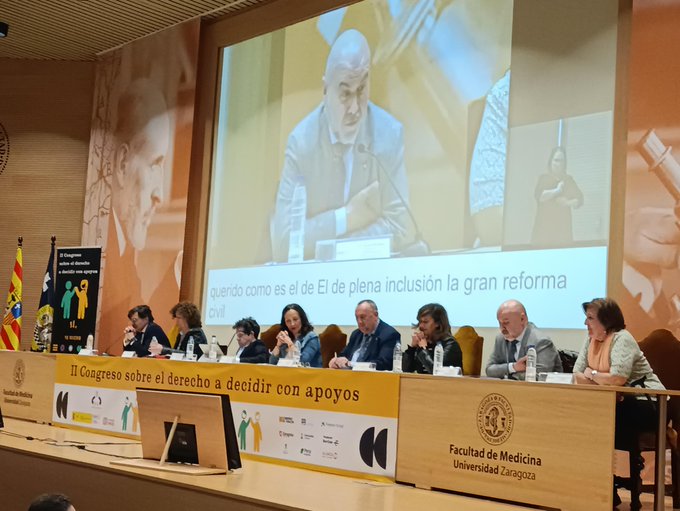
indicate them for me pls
(188, 321)
(433, 327)
(611, 356)
(142, 331)
(296, 327)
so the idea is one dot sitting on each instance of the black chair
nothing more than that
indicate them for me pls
(568, 359)
(662, 351)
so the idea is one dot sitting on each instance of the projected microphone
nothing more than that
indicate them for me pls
(419, 247)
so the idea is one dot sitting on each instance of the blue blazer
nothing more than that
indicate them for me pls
(140, 344)
(380, 346)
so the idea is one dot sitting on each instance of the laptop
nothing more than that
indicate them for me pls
(221, 349)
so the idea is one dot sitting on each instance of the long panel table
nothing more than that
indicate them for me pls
(541, 444)
(30, 467)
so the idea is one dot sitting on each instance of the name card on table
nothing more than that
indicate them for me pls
(565, 378)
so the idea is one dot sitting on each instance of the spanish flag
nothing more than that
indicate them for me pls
(10, 335)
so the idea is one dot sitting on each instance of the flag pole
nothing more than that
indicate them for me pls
(20, 241)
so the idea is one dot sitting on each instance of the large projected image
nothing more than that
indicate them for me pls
(365, 154)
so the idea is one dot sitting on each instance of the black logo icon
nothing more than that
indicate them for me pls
(374, 446)
(61, 405)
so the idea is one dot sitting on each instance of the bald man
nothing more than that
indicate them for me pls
(509, 357)
(349, 154)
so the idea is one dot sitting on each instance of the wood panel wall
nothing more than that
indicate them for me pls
(45, 107)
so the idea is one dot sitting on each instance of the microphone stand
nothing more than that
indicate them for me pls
(419, 247)
(226, 351)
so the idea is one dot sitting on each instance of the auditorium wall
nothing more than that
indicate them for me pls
(45, 109)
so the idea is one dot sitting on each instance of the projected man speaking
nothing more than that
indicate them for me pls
(349, 155)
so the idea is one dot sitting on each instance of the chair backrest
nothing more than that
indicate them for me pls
(333, 340)
(268, 337)
(568, 359)
(471, 345)
(662, 350)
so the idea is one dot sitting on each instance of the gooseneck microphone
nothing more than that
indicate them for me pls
(226, 351)
(419, 247)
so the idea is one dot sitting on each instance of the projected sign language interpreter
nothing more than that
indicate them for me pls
(652, 237)
(348, 157)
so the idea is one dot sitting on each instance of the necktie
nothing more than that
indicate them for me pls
(361, 351)
(512, 349)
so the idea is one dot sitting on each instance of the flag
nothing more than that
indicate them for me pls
(10, 334)
(42, 334)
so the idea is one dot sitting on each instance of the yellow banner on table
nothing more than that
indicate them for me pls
(364, 393)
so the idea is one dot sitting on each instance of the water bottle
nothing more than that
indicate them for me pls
(297, 348)
(396, 358)
(212, 352)
(89, 343)
(190, 349)
(531, 364)
(438, 358)
(298, 215)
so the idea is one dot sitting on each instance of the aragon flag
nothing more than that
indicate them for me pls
(42, 334)
(10, 334)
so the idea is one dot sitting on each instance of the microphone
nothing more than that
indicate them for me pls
(226, 351)
(419, 247)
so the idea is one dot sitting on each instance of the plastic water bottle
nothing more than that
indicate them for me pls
(438, 358)
(212, 352)
(298, 215)
(89, 343)
(531, 364)
(190, 349)
(297, 348)
(396, 358)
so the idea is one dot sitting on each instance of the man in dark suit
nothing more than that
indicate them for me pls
(509, 357)
(373, 341)
(251, 350)
(143, 331)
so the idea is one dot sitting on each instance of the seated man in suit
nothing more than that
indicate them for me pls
(143, 330)
(251, 350)
(373, 341)
(509, 357)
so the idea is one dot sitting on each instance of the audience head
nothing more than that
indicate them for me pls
(603, 317)
(140, 316)
(346, 85)
(294, 321)
(512, 319)
(433, 321)
(366, 314)
(247, 330)
(186, 316)
(51, 502)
